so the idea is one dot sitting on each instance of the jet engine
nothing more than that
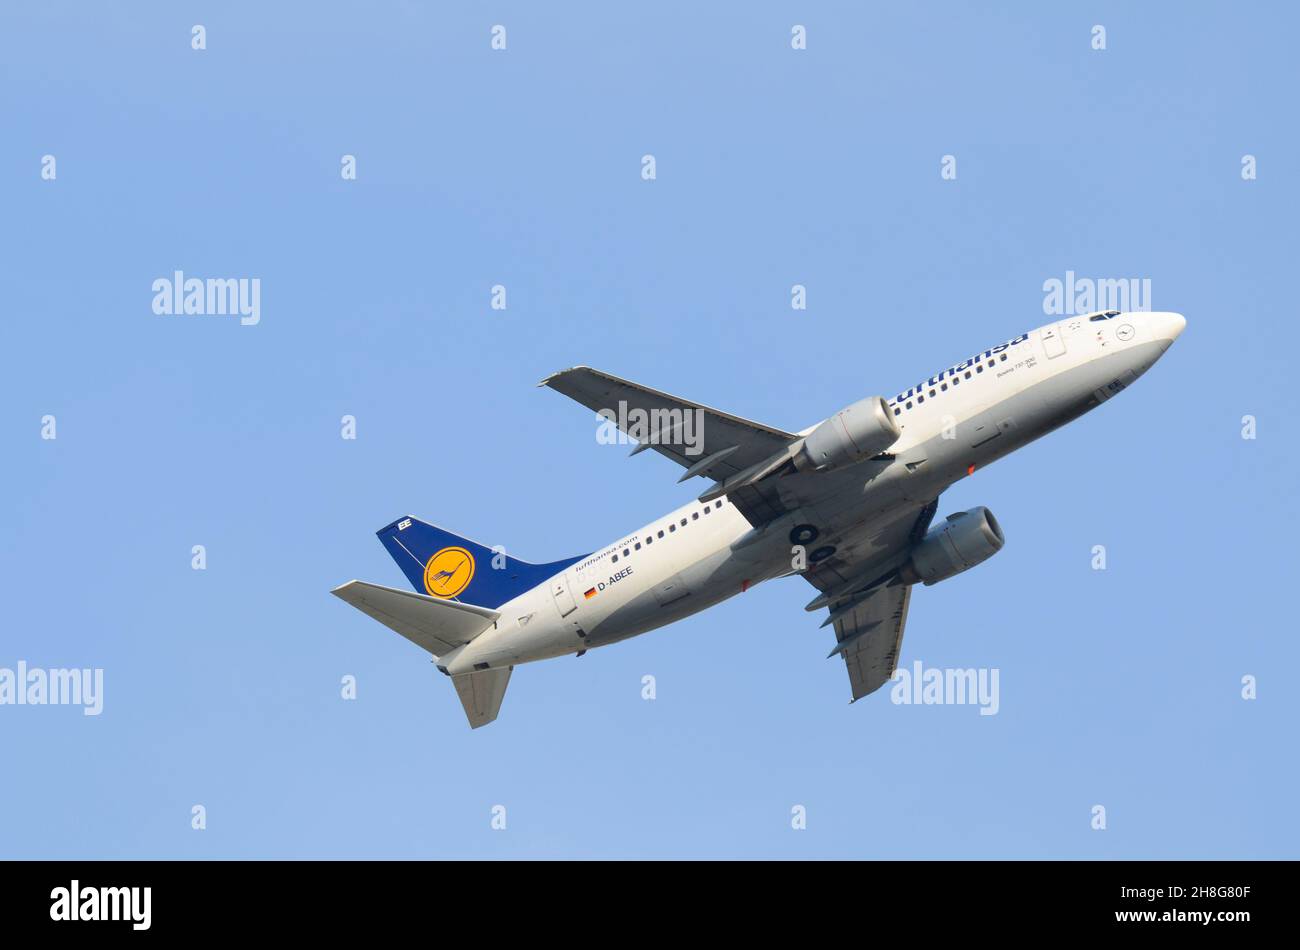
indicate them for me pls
(864, 429)
(962, 541)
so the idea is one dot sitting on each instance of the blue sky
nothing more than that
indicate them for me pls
(522, 168)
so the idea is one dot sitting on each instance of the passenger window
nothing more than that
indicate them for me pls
(920, 399)
(707, 509)
(661, 534)
(637, 546)
(931, 393)
(614, 559)
(897, 410)
(943, 388)
(979, 369)
(968, 374)
(1004, 357)
(683, 522)
(672, 527)
(909, 404)
(649, 540)
(626, 552)
(695, 516)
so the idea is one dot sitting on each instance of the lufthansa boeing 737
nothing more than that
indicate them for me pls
(847, 504)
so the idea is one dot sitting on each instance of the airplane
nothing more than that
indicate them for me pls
(847, 504)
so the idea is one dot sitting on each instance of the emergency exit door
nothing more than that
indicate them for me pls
(1053, 342)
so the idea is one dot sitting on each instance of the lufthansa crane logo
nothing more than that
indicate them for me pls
(448, 572)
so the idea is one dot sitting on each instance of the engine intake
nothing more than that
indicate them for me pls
(962, 541)
(864, 429)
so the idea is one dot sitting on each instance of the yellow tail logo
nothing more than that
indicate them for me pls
(448, 572)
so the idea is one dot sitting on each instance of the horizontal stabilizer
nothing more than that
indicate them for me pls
(433, 624)
(481, 693)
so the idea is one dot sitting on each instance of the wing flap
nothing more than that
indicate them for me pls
(871, 636)
(869, 611)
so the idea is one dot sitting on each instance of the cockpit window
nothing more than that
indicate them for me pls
(1107, 315)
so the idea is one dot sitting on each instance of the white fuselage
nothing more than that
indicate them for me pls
(961, 419)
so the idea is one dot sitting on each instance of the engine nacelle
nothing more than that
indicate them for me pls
(957, 545)
(864, 429)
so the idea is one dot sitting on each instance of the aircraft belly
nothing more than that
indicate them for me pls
(539, 640)
(687, 591)
(1060, 398)
(1045, 405)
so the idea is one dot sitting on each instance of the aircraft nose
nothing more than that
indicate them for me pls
(1169, 325)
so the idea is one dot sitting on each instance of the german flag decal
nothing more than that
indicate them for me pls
(590, 594)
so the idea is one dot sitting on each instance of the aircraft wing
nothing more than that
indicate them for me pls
(870, 637)
(704, 441)
(867, 604)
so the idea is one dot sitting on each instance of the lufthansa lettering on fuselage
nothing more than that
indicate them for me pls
(986, 356)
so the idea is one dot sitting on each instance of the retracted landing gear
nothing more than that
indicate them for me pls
(803, 534)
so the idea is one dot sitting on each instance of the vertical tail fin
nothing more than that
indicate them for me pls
(442, 564)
